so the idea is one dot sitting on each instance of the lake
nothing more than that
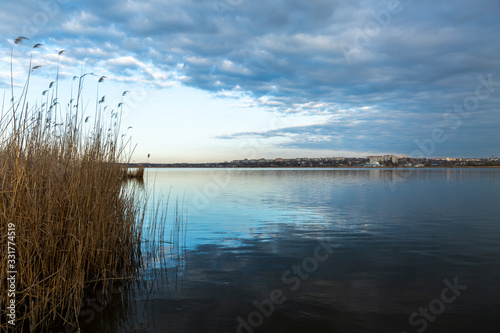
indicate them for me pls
(323, 250)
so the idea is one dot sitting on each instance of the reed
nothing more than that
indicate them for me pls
(137, 173)
(77, 228)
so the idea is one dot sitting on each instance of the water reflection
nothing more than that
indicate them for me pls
(401, 234)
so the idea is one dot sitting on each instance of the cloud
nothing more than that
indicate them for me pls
(317, 57)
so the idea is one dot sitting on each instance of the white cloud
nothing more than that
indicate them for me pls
(230, 67)
(127, 61)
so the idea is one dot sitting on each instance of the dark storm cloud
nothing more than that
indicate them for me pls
(410, 61)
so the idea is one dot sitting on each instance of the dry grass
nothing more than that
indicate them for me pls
(76, 226)
(137, 173)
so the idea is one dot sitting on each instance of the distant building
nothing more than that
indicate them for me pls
(374, 159)
(382, 159)
(392, 158)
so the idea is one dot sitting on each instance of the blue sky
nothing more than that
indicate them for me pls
(233, 79)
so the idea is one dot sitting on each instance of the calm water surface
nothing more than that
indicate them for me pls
(337, 250)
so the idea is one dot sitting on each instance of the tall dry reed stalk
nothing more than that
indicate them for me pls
(76, 227)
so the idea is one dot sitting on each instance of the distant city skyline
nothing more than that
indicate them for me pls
(374, 160)
(233, 79)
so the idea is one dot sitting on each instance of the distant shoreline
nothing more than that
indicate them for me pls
(162, 166)
(378, 162)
